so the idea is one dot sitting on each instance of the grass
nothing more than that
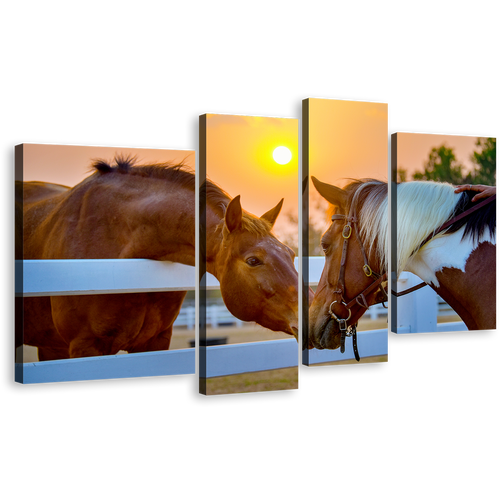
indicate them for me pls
(269, 380)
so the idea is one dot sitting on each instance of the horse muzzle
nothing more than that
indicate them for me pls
(327, 336)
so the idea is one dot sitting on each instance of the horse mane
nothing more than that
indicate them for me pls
(218, 199)
(370, 199)
(422, 207)
(475, 224)
(178, 174)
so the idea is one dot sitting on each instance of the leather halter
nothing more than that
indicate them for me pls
(360, 299)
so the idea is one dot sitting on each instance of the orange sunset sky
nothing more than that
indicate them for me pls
(347, 140)
(240, 160)
(69, 165)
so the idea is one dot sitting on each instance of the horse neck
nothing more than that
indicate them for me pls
(124, 218)
(163, 229)
(214, 251)
(463, 274)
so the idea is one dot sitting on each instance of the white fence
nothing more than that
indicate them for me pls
(217, 315)
(95, 276)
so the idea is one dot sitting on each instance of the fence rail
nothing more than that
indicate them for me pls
(221, 360)
(96, 276)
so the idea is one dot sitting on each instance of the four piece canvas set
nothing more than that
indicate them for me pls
(131, 261)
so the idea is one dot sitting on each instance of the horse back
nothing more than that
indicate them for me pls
(39, 201)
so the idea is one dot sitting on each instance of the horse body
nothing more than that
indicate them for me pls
(111, 214)
(132, 212)
(367, 200)
(459, 263)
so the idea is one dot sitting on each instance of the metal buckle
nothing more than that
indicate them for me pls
(344, 234)
(336, 318)
(367, 270)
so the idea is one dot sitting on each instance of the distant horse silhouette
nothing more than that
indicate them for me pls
(355, 247)
(129, 211)
(459, 262)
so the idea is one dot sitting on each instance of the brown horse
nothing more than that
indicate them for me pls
(459, 262)
(242, 253)
(127, 211)
(355, 263)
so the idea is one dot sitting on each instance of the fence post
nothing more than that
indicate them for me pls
(417, 311)
(190, 317)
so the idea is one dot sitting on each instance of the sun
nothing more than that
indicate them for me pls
(282, 155)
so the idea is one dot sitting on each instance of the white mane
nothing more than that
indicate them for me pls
(422, 207)
(373, 224)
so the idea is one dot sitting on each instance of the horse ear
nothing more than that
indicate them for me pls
(332, 194)
(233, 214)
(272, 215)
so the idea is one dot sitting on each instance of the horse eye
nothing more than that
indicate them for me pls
(253, 261)
(325, 247)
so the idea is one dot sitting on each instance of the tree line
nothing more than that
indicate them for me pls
(443, 166)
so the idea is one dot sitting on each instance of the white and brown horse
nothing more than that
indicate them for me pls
(459, 261)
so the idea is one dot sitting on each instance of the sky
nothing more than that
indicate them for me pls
(69, 165)
(240, 160)
(347, 140)
(414, 149)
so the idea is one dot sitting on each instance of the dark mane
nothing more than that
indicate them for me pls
(476, 223)
(178, 174)
(218, 199)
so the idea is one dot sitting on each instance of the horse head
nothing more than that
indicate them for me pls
(258, 280)
(348, 283)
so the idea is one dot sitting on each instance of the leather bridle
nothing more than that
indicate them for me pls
(351, 222)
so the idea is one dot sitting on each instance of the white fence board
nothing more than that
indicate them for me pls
(147, 364)
(316, 265)
(35, 278)
(370, 343)
(221, 360)
(253, 357)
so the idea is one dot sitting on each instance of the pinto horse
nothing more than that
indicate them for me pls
(458, 261)
(129, 211)
(355, 272)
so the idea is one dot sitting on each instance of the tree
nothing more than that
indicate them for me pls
(442, 166)
(401, 175)
(485, 161)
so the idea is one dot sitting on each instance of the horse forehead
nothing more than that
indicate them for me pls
(268, 244)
